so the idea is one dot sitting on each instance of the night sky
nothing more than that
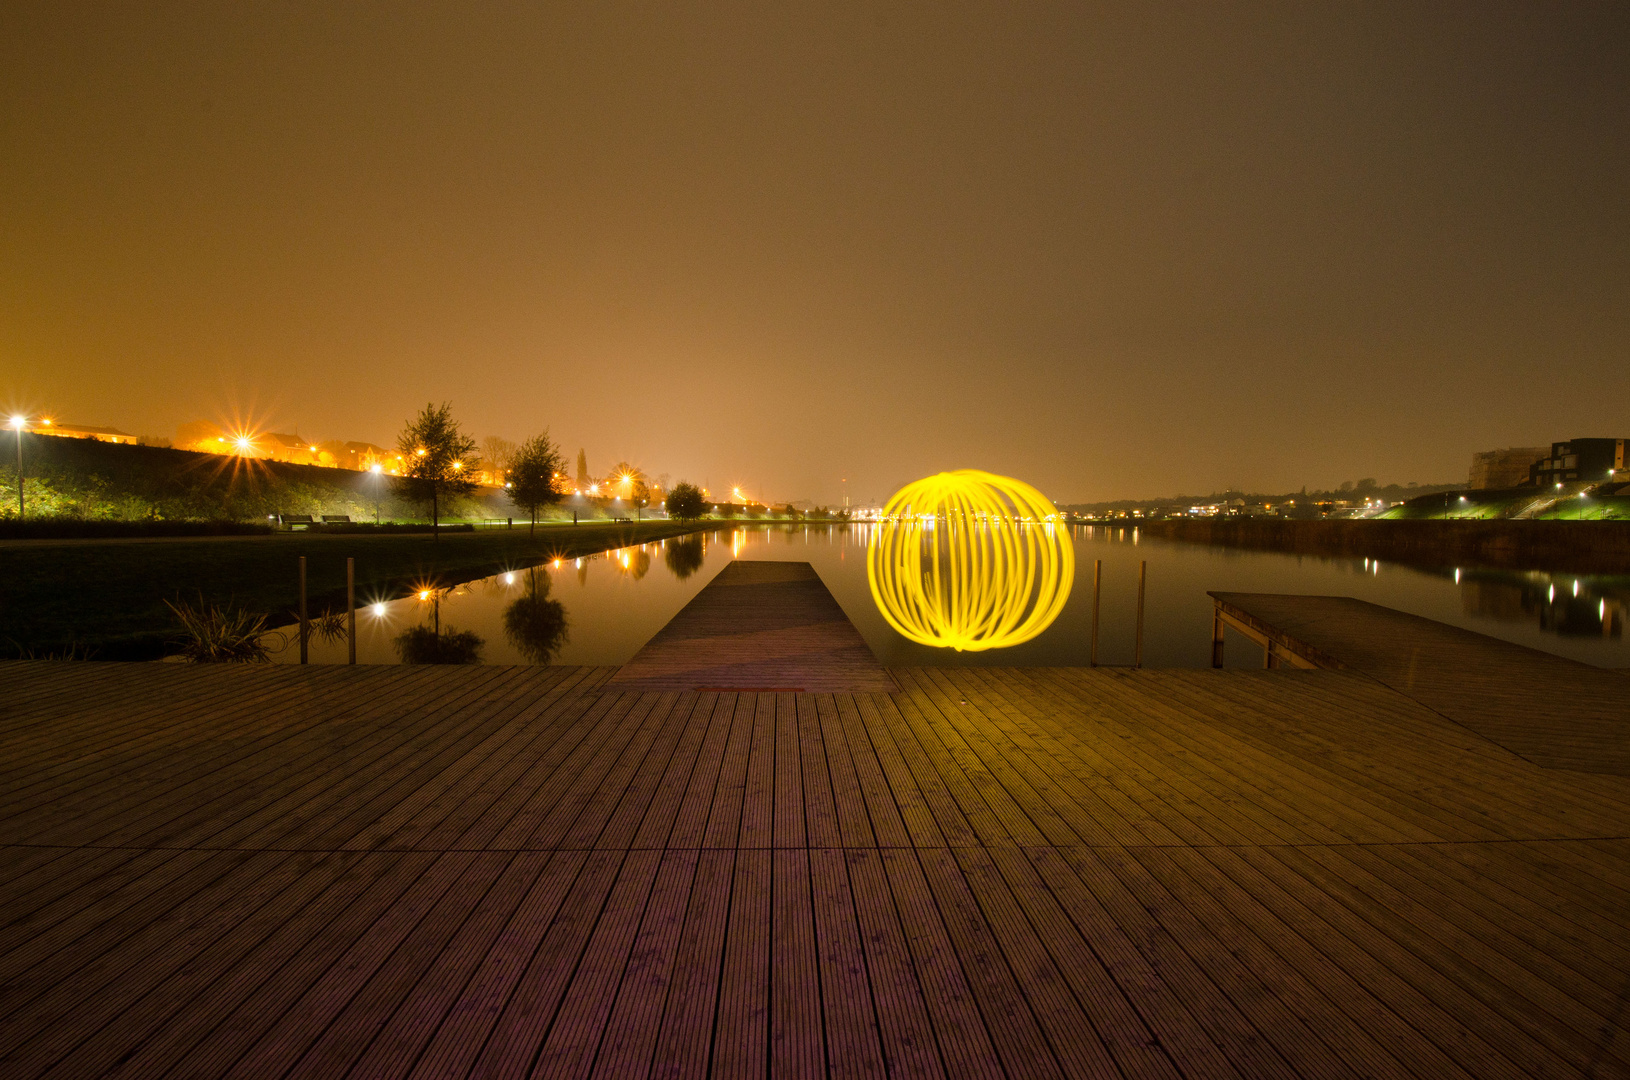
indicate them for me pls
(1115, 251)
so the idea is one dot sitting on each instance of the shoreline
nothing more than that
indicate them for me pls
(1590, 547)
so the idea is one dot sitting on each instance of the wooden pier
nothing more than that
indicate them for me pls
(758, 626)
(1553, 711)
(535, 871)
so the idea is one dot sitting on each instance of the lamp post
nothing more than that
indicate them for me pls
(17, 424)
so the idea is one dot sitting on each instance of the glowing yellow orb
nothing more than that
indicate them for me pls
(968, 560)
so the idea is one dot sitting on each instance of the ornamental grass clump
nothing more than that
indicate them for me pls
(220, 635)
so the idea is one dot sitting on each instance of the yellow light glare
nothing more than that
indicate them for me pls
(953, 563)
(19, 422)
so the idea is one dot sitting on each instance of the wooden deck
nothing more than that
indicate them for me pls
(506, 872)
(758, 626)
(1555, 712)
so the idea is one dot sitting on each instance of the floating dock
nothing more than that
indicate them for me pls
(514, 871)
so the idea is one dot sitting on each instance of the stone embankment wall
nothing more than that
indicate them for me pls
(1601, 547)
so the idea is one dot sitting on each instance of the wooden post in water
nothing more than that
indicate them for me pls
(1137, 653)
(305, 625)
(351, 607)
(1097, 581)
(1216, 635)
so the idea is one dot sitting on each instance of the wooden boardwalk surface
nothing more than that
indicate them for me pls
(758, 626)
(1553, 711)
(507, 872)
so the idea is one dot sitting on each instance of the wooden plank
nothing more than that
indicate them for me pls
(759, 787)
(741, 1034)
(635, 1021)
(789, 775)
(844, 985)
(854, 822)
(513, 963)
(575, 1034)
(690, 821)
(1068, 1027)
(905, 1031)
(355, 1027)
(527, 1017)
(432, 998)
(820, 808)
(797, 1043)
(685, 1041)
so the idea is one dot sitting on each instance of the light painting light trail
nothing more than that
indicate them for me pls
(970, 561)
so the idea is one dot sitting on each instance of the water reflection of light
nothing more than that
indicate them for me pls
(509, 579)
(378, 610)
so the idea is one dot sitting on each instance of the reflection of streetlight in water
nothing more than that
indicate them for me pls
(970, 561)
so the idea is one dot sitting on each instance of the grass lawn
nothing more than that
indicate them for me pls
(108, 596)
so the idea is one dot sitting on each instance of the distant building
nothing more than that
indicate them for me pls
(1508, 468)
(360, 456)
(1581, 459)
(81, 431)
(276, 446)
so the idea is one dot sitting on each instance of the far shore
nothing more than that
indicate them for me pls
(1586, 547)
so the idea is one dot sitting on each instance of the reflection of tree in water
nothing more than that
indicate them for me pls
(434, 645)
(685, 557)
(535, 624)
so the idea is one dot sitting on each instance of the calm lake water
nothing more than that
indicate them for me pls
(603, 608)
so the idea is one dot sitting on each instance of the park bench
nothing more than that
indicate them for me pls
(336, 519)
(296, 519)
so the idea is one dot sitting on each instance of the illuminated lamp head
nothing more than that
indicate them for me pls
(19, 422)
(970, 561)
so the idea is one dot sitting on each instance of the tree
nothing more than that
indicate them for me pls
(582, 471)
(499, 453)
(685, 502)
(532, 475)
(435, 456)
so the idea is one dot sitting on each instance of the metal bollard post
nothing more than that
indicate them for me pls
(351, 607)
(1137, 655)
(1097, 581)
(305, 624)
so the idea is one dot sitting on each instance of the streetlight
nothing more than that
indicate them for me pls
(17, 425)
